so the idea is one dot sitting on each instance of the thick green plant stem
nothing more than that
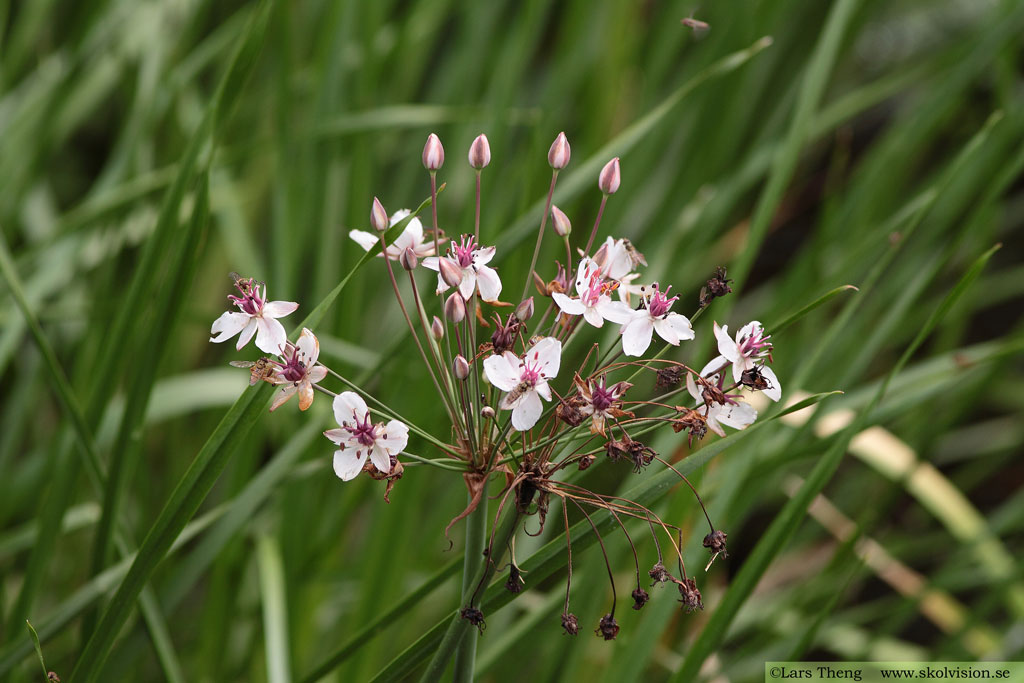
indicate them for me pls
(476, 540)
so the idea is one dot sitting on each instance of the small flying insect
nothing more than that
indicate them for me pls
(260, 369)
(697, 25)
(517, 391)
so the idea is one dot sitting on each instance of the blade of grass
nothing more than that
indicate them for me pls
(275, 610)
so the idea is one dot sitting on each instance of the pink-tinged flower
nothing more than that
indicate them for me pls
(525, 380)
(600, 401)
(654, 316)
(480, 152)
(411, 238)
(358, 437)
(299, 371)
(732, 413)
(610, 177)
(469, 259)
(618, 258)
(433, 153)
(593, 291)
(749, 351)
(257, 316)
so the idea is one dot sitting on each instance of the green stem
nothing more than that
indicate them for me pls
(476, 540)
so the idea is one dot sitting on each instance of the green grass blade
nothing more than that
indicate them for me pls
(275, 610)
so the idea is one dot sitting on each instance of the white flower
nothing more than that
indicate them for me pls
(733, 413)
(258, 316)
(746, 353)
(594, 300)
(299, 372)
(358, 437)
(618, 258)
(525, 380)
(411, 238)
(654, 316)
(472, 262)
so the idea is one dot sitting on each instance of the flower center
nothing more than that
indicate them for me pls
(594, 289)
(755, 344)
(363, 431)
(294, 367)
(602, 397)
(463, 252)
(251, 302)
(660, 304)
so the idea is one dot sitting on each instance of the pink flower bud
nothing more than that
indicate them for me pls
(558, 154)
(524, 311)
(450, 273)
(487, 413)
(433, 153)
(560, 222)
(455, 308)
(460, 367)
(437, 328)
(609, 178)
(408, 259)
(378, 216)
(480, 152)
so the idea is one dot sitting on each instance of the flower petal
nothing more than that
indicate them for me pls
(247, 332)
(349, 462)
(270, 335)
(502, 371)
(489, 283)
(483, 256)
(308, 346)
(543, 390)
(395, 437)
(364, 239)
(228, 325)
(468, 283)
(592, 316)
(336, 435)
(305, 394)
(618, 312)
(317, 373)
(546, 356)
(736, 415)
(691, 386)
(568, 306)
(349, 407)
(380, 458)
(431, 263)
(278, 309)
(666, 331)
(287, 391)
(526, 414)
(774, 390)
(726, 346)
(636, 335)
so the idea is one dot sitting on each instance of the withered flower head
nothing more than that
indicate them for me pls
(570, 411)
(585, 462)
(669, 376)
(640, 598)
(659, 574)
(693, 422)
(641, 455)
(504, 336)
(616, 449)
(600, 401)
(515, 580)
(474, 616)
(570, 623)
(607, 628)
(690, 595)
(715, 542)
(717, 286)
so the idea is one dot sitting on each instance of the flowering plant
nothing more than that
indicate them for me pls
(514, 414)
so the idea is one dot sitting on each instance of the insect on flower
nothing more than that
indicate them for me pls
(260, 369)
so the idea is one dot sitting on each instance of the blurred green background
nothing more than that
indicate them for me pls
(149, 148)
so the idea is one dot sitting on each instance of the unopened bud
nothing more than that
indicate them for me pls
(560, 222)
(437, 328)
(480, 152)
(487, 413)
(460, 366)
(433, 153)
(609, 179)
(378, 216)
(450, 273)
(558, 154)
(454, 307)
(524, 311)
(408, 259)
